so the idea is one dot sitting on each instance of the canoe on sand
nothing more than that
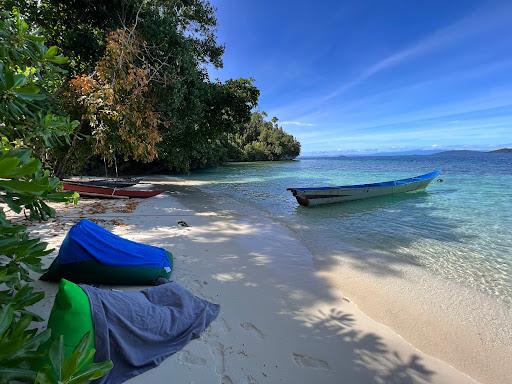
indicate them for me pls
(110, 183)
(106, 192)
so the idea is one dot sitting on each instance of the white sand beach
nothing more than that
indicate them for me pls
(283, 319)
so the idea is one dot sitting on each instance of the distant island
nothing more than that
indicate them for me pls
(459, 152)
(462, 152)
(419, 152)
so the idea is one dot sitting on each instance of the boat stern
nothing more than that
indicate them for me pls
(302, 200)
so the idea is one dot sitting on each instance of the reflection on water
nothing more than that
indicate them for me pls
(459, 229)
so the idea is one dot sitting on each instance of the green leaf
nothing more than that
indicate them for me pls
(18, 374)
(31, 344)
(29, 93)
(56, 355)
(59, 60)
(23, 186)
(78, 368)
(77, 359)
(51, 52)
(92, 372)
(43, 377)
(8, 166)
(18, 81)
(6, 317)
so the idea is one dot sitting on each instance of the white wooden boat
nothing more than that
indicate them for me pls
(326, 195)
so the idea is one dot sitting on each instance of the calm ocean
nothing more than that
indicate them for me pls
(459, 229)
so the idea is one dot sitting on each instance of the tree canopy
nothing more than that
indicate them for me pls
(261, 140)
(139, 86)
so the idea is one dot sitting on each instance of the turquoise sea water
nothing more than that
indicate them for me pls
(459, 229)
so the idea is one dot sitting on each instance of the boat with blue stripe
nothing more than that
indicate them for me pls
(326, 195)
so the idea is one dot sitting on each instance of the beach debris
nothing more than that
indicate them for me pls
(128, 207)
(183, 224)
(97, 209)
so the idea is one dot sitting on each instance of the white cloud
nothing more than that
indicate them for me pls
(464, 28)
(480, 21)
(298, 123)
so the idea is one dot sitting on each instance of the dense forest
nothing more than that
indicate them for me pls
(137, 87)
(261, 140)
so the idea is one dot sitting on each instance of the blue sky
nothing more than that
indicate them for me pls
(370, 76)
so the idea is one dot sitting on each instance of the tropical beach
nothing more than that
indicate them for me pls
(285, 316)
(219, 192)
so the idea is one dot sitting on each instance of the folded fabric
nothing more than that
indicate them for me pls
(137, 330)
(71, 316)
(91, 254)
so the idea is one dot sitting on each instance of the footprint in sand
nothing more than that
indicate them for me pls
(309, 362)
(224, 326)
(188, 358)
(251, 380)
(219, 354)
(217, 351)
(252, 328)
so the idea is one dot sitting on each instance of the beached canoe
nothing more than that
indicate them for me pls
(109, 183)
(97, 191)
(326, 195)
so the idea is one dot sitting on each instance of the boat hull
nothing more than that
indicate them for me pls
(105, 183)
(328, 195)
(96, 191)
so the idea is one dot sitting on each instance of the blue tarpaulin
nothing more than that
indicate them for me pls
(88, 241)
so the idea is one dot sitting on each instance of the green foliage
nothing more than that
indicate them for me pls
(182, 119)
(80, 27)
(28, 72)
(213, 111)
(19, 346)
(26, 124)
(261, 140)
(79, 367)
(177, 42)
(24, 186)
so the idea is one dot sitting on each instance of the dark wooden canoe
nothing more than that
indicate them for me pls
(97, 191)
(109, 183)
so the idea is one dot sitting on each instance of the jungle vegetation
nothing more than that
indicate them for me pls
(137, 83)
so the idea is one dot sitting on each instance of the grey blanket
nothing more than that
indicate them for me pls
(137, 330)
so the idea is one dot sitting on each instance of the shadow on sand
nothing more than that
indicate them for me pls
(363, 357)
(360, 356)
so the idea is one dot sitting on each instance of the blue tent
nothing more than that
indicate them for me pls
(91, 254)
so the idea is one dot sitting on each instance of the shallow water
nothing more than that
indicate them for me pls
(460, 228)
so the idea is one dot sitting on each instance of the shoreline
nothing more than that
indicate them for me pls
(281, 319)
(457, 324)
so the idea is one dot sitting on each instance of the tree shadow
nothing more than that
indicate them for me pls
(363, 356)
(367, 353)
